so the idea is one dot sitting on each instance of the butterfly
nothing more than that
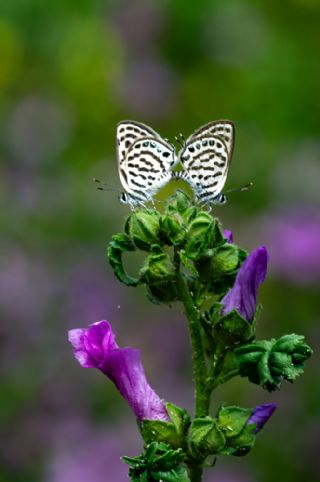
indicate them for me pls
(205, 157)
(145, 161)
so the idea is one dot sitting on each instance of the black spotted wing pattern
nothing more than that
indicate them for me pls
(206, 158)
(144, 161)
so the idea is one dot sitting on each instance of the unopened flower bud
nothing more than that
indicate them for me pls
(200, 235)
(143, 227)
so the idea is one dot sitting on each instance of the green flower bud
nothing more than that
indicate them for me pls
(220, 267)
(205, 438)
(158, 274)
(157, 267)
(179, 202)
(200, 235)
(173, 229)
(240, 437)
(143, 227)
(233, 328)
(267, 363)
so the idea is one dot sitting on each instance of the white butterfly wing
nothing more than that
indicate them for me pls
(224, 129)
(146, 167)
(206, 163)
(127, 133)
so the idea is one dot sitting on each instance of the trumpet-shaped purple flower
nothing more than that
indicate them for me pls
(96, 347)
(261, 415)
(243, 295)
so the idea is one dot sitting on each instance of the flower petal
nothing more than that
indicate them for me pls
(243, 295)
(125, 369)
(261, 415)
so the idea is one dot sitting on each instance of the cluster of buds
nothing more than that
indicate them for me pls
(211, 260)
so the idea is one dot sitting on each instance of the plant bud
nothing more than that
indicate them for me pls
(158, 274)
(205, 438)
(173, 229)
(219, 270)
(143, 227)
(200, 235)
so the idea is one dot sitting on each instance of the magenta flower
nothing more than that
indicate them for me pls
(261, 415)
(227, 234)
(243, 295)
(96, 347)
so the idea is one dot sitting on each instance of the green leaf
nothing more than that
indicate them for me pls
(174, 475)
(267, 363)
(158, 462)
(119, 244)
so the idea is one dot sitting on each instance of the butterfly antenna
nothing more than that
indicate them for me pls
(169, 142)
(182, 140)
(241, 189)
(104, 186)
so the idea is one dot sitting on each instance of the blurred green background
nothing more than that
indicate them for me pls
(69, 71)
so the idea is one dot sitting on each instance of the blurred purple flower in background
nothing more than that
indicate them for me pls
(87, 284)
(96, 347)
(243, 295)
(294, 240)
(85, 453)
(261, 415)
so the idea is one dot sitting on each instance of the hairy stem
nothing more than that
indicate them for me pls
(199, 360)
(195, 473)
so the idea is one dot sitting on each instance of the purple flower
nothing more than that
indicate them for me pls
(243, 295)
(227, 234)
(96, 347)
(261, 415)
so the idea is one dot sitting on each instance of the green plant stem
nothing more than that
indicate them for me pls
(223, 379)
(199, 360)
(195, 473)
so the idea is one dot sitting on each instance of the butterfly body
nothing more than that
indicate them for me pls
(145, 161)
